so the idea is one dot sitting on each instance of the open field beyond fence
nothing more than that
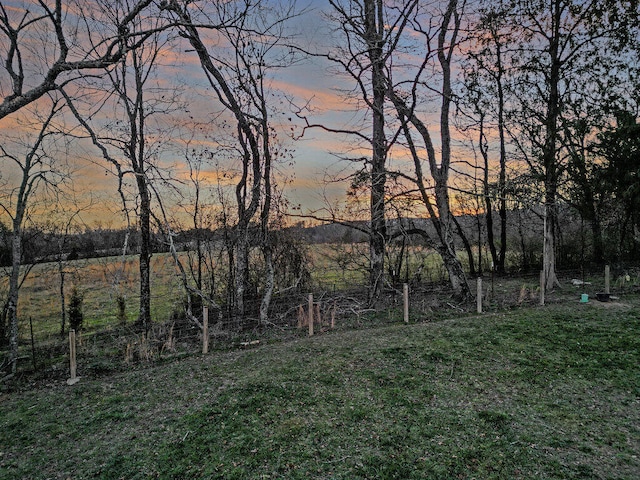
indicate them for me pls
(106, 343)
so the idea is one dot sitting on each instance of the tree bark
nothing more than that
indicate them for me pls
(374, 33)
(550, 163)
(467, 247)
(146, 250)
(488, 204)
(502, 176)
(14, 285)
(63, 307)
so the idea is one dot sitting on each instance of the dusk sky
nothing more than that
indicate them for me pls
(311, 82)
(307, 81)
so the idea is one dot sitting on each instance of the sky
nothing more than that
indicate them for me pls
(90, 174)
(308, 82)
(315, 157)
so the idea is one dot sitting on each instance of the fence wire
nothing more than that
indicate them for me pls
(111, 347)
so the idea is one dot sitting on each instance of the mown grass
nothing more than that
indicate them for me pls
(549, 393)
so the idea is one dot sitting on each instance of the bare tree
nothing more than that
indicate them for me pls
(440, 44)
(372, 33)
(369, 33)
(486, 95)
(379, 37)
(132, 142)
(199, 272)
(201, 221)
(47, 45)
(240, 79)
(558, 43)
(37, 168)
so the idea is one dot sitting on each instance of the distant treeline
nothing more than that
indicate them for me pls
(575, 245)
(42, 246)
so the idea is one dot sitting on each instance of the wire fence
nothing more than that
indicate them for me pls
(112, 347)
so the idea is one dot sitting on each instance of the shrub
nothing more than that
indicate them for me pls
(75, 309)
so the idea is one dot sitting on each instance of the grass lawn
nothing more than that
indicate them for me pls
(549, 392)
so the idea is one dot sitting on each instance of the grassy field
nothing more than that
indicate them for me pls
(537, 393)
(100, 280)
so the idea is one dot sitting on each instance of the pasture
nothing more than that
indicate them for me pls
(333, 268)
(338, 280)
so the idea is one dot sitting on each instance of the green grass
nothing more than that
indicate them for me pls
(546, 393)
(333, 268)
(100, 280)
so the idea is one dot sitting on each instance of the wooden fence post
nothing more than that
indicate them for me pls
(205, 330)
(607, 278)
(72, 358)
(33, 345)
(333, 315)
(311, 314)
(479, 295)
(405, 296)
(541, 287)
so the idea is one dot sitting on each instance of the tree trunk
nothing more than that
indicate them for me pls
(457, 277)
(14, 285)
(550, 162)
(242, 268)
(598, 246)
(502, 177)
(441, 175)
(487, 198)
(144, 317)
(500, 264)
(268, 282)
(374, 26)
(467, 247)
(490, 236)
(549, 245)
(63, 308)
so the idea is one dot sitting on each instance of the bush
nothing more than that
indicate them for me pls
(75, 309)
